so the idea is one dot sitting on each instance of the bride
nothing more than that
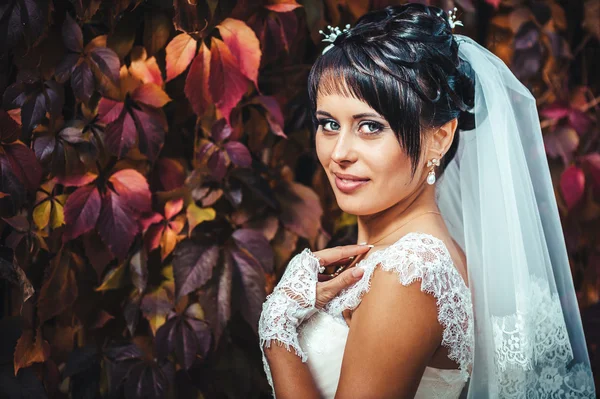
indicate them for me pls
(461, 284)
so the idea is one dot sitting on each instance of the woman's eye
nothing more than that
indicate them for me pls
(329, 125)
(371, 127)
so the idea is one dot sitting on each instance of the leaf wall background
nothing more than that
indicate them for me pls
(157, 172)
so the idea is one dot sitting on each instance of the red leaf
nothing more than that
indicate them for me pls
(116, 224)
(238, 153)
(81, 211)
(153, 236)
(82, 82)
(494, 3)
(151, 94)
(9, 129)
(555, 111)
(109, 110)
(133, 188)
(196, 83)
(193, 265)
(227, 84)
(244, 45)
(171, 173)
(120, 135)
(24, 164)
(180, 52)
(72, 36)
(572, 185)
(76, 180)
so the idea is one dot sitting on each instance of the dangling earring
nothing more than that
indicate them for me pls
(431, 176)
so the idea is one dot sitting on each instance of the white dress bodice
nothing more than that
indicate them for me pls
(415, 257)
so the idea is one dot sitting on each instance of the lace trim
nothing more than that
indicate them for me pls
(420, 256)
(291, 302)
(555, 382)
(532, 347)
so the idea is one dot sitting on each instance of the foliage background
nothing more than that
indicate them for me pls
(157, 173)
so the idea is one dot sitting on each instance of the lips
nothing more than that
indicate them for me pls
(349, 183)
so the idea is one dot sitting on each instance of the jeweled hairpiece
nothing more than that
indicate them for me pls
(452, 19)
(334, 32)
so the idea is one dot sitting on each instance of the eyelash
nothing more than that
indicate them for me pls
(377, 125)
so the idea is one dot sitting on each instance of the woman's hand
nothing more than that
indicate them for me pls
(327, 289)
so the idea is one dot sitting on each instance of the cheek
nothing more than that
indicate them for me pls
(323, 151)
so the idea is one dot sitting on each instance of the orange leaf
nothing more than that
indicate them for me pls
(173, 207)
(180, 52)
(244, 46)
(143, 68)
(227, 83)
(196, 83)
(28, 352)
(282, 5)
(151, 94)
(167, 243)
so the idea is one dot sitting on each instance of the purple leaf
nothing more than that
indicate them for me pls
(255, 244)
(527, 36)
(14, 96)
(555, 111)
(120, 135)
(81, 211)
(107, 61)
(116, 224)
(33, 111)
(253, 281)
(193, 266)
(72, 36)
(238, 153)
(150, 124)
(82, 81)
(64, 68)
(217, 165)
(221, 130)
(55, 97)
(224, 297)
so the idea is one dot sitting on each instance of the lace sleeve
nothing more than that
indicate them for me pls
(291, 302)
(419, 256)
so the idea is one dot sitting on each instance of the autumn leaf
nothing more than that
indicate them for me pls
(114, 279)
(196, 83)
(164, 231)
(23, 20)
(187, 337)
(196, 215)
(243, 45)
(193, 265)
(227, 83)
(59, 290)
(29, 351)
(301, 209)
(572, 185)
(282, 5)
(156, 305)
(180, 53)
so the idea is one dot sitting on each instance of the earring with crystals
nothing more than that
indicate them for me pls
(432, 164)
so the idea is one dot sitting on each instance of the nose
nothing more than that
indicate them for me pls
(344, 150)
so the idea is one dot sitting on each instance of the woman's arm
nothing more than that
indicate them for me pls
(291, 377)
(393, 335)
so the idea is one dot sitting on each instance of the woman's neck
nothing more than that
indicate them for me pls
(374, 227)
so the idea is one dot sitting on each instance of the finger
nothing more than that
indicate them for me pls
(345, 279)
(331, 255)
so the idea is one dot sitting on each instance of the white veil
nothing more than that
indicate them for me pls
(497, 199)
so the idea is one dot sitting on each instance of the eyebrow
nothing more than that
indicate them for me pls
(357, 116)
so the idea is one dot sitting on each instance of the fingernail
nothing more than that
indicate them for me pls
(357, 272)
(370, 245)
(362, 243)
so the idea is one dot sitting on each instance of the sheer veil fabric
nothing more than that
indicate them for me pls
(497, 199)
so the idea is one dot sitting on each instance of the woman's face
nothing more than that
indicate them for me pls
(362, 157)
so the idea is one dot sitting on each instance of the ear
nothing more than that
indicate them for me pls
(441, 139)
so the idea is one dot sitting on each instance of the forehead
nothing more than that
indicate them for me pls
(337, 103)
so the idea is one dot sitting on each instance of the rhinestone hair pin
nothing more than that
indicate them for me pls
(452, 19)
(334, 32)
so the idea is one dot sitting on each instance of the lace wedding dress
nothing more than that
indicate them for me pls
(416, 258)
